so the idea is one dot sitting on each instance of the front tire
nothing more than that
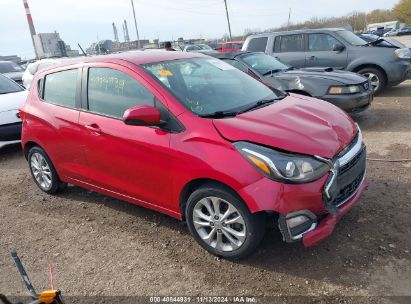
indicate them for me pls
(377, 78)
(43, 171)
(222, 224)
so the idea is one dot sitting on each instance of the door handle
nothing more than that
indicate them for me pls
(93, 128)
(313, 58)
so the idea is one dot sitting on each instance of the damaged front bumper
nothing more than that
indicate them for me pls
(342, 189)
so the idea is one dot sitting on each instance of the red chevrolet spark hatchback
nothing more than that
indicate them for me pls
(195, 138)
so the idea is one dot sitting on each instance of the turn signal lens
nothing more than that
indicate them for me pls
(336, 90)
(260, 164)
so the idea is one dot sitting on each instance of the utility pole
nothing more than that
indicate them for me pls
(135, 23)
(289, 17)
(228, 20)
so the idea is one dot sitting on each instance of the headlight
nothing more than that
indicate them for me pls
(402, 53)
(337, 90)
(281, 166)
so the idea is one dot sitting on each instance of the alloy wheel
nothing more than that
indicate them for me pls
(219, 224)
(375, 81)
(41, 171)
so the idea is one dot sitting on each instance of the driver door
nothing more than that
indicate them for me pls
(320, 52)
(131, 160)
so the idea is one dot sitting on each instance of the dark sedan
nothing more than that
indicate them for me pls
(348, 91)
(12, 70)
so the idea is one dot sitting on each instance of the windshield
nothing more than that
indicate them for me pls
(351, 38)
(204, 47)
(205, 85)
(264, 64)
(8, 86)
(9, 67)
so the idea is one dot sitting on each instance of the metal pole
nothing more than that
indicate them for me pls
(228, 19)
(31, 26)
(135, 23)
(289, 16)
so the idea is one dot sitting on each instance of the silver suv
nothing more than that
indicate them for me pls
(337, 48)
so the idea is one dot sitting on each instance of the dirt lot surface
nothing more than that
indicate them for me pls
(102, 246)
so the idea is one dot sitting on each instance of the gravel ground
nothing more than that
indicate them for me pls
(104, 247)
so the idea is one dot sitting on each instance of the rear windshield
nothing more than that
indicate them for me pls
(10, 67)
(8, 86)
(351, 38)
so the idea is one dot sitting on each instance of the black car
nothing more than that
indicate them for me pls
(12, 70)
(348, 91)
(404, 31)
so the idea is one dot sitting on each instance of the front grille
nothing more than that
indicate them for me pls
(348, 191)
(349, 177)
(352, 162)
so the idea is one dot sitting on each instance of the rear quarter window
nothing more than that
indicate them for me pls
(60, 88)
(258, 44)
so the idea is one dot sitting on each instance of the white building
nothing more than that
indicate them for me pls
(385, 25)
(49, 45)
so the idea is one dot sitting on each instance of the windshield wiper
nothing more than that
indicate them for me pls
(258, 104)
(219, 114)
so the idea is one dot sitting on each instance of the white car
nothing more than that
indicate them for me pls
(393, 32)
(198, 48)
(36, 66)
(12, 97)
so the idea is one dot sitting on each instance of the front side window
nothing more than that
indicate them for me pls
(111, 92)
(205, 85)
(292, 43)
(321, 42)
(237, 64)
(257, 44)
(264, 64)
(8, 86)
(238, 45)
(228, 45)
(60, 88)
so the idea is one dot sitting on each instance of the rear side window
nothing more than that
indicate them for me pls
(228, 46)
(60, 88)
(238, 45)
(257, 44)
(111, 92)
(289, 43)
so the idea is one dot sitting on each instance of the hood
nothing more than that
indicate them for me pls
(14, 75)
(343, 77)
(12, 101)
(296, 123)
(387, 42)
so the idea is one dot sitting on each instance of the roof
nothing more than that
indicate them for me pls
(298, 31)
(135, 57)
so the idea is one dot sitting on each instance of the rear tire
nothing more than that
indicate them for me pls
(43, 171)
(222, 224)
(376, 76)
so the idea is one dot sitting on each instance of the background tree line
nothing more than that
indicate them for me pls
(357, 20)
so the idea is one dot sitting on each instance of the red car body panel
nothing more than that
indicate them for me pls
(151, 167)
(233, 46)
(314, 125)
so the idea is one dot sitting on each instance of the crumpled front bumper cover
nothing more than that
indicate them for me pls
(326, 226)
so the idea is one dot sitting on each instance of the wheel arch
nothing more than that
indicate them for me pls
(27, 146)
(370, 65)
(194, 184)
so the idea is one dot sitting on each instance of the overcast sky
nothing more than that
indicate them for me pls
(85, 21)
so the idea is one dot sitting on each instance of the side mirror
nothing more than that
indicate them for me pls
(338, 47)
(144, 115)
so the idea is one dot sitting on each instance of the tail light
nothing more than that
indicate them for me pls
(21, 114)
